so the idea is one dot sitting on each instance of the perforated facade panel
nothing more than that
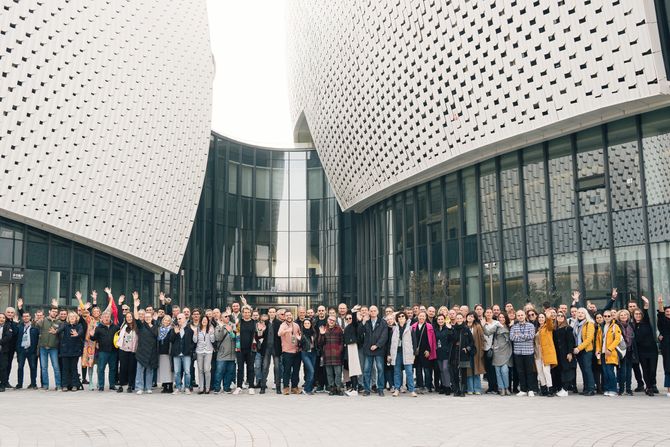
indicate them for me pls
(397, 92)
(105, 121)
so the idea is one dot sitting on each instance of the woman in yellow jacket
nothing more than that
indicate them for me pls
(606, 344)
(545, 353)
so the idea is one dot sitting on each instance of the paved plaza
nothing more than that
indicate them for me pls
(92, 418)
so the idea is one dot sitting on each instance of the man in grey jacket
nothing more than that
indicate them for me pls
(224, 335)
(375, 339)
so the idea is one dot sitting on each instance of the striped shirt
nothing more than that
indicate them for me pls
(522, 336)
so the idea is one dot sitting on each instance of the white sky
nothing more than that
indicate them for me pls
(250, 89)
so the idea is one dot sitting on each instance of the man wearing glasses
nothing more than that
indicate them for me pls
(224, 335)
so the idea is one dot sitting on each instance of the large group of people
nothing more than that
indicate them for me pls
(341, 351)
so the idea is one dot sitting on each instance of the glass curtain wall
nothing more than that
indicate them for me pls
(587, 211)
(267, 221)
(51, 267)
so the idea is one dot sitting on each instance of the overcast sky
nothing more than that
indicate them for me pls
(250, 90)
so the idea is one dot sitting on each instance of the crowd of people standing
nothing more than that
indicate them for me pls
(413, 350)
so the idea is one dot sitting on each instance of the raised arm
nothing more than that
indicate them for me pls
(136, 305)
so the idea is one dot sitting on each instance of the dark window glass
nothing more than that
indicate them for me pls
(453, 209)
(488, 196)
(509, 191)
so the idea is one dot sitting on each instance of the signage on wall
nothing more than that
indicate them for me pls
(7, 275)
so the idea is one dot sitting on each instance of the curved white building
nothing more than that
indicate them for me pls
(395, 93)
(105, 122)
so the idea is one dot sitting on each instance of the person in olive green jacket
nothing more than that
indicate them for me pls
(48, 347)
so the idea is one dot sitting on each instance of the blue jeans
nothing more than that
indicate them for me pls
(143, 378)
(502, 375)
(106, 359)
(258, 368)
(21, 357)
(609, 378)
(378, 360)
(308, 359)
(398, 368)
(624, 374)
(182, 364)
(474, 384)
(585, 359)
(225, 370)
(47, 354)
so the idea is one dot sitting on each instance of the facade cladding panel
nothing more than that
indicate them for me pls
(105, 122)
(395, 93)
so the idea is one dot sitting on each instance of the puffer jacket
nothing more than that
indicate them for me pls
(408, 344)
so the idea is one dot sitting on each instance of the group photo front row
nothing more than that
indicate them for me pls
(122, 346)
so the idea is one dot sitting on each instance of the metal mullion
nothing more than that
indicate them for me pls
(405, 277)
(578, 227)
(501, 254)
(45, 292)
(645, 213)
(461, 235)
(550, 230)
(608, 192)
(429, 265)
(522, 206)
(478, 200)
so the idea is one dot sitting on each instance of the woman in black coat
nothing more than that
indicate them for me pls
(462, 352)
(444, 335)
(564, 341)
(147, 350)
(645, 346)
(71, 347)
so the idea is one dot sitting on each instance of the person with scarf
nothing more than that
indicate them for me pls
(584, 332)
(165, 376)
(401, 353)
(460, 357)
(606, 351)
(625, 370)
(425, 353)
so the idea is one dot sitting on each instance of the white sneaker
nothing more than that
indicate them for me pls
(252, 391)
(188, 391)
(521, 393)
(562, 393)
(237, 391)
(176, 391)
(667, 394)
(148, 391)
(139, 392)
(531, 394)
(352, 393)
(245, 385)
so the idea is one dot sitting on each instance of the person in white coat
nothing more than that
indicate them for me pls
(401, 353)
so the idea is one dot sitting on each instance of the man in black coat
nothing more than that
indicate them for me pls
(375, 339)
(271, 348)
